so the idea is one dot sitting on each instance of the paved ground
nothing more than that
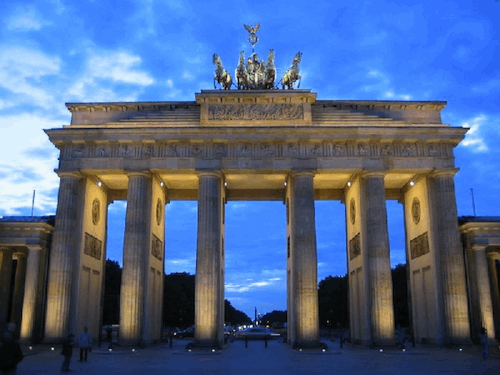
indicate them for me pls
(277, 358)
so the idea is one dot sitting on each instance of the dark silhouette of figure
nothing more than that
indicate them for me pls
(67, 352)
(10, 354)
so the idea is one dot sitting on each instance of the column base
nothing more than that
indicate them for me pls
(204, 346)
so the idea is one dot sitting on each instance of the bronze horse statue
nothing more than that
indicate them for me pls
(241, 73)
(222, 76)
(293, 74)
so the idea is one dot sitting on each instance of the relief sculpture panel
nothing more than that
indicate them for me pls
(419, 246)
(255, 112)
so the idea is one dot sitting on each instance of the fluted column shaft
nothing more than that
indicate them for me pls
(378, 260)
(495, 292)
(18, 296)
(5, 281)
(483, 290)
(31, 286)
(305, 264)
(62, 258)
(135, 252)
(451, 264)
(208, 261)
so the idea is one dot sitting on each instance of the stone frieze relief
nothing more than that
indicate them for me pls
(256, 150)
(268, 112)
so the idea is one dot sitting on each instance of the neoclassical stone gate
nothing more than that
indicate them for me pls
(259, 145)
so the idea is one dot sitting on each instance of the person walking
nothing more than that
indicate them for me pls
(10, 354)
(485, 345)
(85, 344)
(67, 352)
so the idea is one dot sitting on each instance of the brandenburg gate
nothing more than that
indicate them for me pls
(259, 144)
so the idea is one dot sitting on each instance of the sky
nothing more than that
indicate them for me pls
(54, 51)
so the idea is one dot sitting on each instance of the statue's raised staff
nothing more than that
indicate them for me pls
(293, 74)
(222, 76)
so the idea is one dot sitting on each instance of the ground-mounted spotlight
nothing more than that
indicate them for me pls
(349, 183)
(412, 183)
(52, 348)
(133, 349)
(31, 348)
(99, 183)
(285, 183)
(110, 350)
(225, 184)
(161, 184)
(213, 350)
(404, 350)
(323, 350)
(189, 350)
(459, 349)
(381, 350)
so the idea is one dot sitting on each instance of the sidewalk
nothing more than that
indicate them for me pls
(277, 358)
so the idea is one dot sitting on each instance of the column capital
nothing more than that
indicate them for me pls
(71, 174)
(35, 247)
(493, 255)
(209, 173)
(444, 172)
(19, 255)
(302, 173)
(368, 173)
(477, 248)
(145, 174)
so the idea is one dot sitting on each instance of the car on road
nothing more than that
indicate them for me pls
(188, 332)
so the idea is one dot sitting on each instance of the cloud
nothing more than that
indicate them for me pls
(26, 18)
(22, 71)
(380, 84)
(473, 139)
(108, 68)
(27, 163)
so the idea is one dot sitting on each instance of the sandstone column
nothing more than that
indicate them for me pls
(62, 259)
(482, 289)
(18, 296)
(208, 261)
(451, 259)
(135, 252)
(378, 259)
(304, 294)
(5, 282)
(30, 292)
(493, 282)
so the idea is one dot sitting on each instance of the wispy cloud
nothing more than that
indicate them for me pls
(474, 137)
(26, 18)
(22, 70)
(104, 71)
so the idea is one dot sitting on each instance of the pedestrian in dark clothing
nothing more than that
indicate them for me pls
(85, 344)
(485, 345)
(67, 352)
(10, 354)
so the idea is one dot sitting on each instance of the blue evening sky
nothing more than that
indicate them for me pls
(55, 51)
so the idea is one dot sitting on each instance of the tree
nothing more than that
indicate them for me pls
(233, 316)
(332, 295)
(178, 300)
(400, 295)
(112, 285)
(275, 317)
